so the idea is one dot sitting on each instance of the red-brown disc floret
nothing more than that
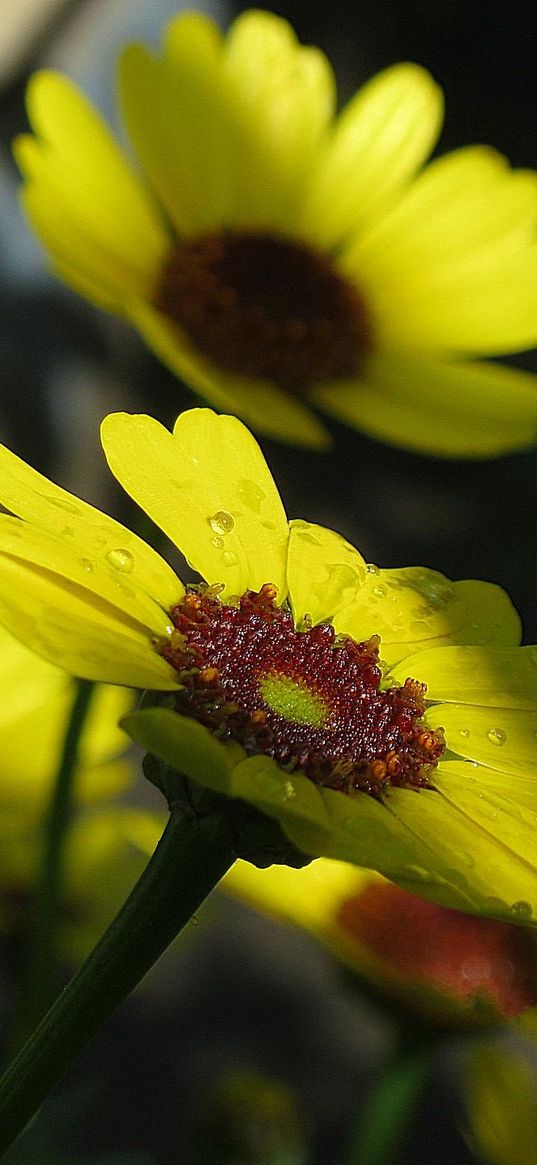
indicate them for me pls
(360, 737)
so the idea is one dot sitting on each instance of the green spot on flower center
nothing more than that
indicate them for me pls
(265, 307)
(294, 701)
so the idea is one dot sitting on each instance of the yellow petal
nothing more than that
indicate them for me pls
(500, 738)
(494, 677)
(309, 897)
(491, 872)
(76, 161)
(461, 205)
(414, 609)
(209, 488)
(324, 572)
(91, 534)
(495, 811)
(175, 112)
(109, 580)
(262, 405)
(379, 141)
(282, 94)
(75, 629)
(447, 409)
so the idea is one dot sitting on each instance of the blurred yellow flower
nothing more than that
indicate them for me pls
(440, 965)
(418, 762)
(107, 845)
(278, 256)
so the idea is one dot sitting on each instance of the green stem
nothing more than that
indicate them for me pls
(191, 857)
(37, 989)
(391, 1106)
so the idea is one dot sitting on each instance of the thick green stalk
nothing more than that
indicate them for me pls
(191, 857)
(37, 989)
(391, 1106)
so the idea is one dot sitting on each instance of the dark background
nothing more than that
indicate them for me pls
(244, 993)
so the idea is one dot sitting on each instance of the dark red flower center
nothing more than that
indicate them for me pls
(265, 307)
(310, 699)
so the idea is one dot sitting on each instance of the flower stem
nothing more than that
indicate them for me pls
(37, 989)
(194, 852)
(390, 1108)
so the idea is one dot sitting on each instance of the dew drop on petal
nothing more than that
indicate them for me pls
(121, 560)
(87, 565)
(289, 792)
(371, 568)
(222, 522)
(218, 542)
(522, 910)
(251, 494)
(229, 558)
(497, 736)
(464, 732)
(62, 503)
(379, 592)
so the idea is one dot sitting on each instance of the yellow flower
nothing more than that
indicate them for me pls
(274, 667)
(107, 845)
(448, 968)
(278, 256)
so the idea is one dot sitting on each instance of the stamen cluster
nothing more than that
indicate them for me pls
(360, 737)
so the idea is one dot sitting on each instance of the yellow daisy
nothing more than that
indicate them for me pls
(277, 255)
(275, 690)
(442, 966)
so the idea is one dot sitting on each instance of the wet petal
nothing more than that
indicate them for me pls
(109, 580)
(209, 488)
(414, 609)
(74, 628)
(91, 534)
(382, 137)
(500, 738)
(324, 572)
(493, 677)
(447, 409)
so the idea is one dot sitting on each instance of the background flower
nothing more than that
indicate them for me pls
(376, 285)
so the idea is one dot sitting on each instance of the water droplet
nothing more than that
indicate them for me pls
(222, 522)
(268, 525)
(121, 560)
(289, 791)
(418, 872)
(464, 732)
(371, 568)
(251, 494)
(218, 542)
(522, 910)
(87, 565)
(497, 736)
(62, 503)
(379, 592)
(229, 558)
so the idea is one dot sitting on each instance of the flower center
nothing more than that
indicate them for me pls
(266, 307)
(309, 699)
